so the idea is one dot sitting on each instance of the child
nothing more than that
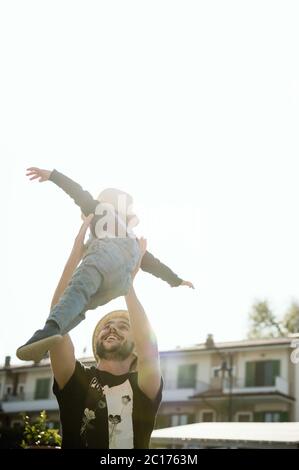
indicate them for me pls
(105, 271)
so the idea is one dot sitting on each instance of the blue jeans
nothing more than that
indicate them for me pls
(104, 274)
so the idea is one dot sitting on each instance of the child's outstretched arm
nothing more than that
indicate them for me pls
(82, 198)
(152, 265)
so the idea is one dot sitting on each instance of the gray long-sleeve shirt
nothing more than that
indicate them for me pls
(88, 206)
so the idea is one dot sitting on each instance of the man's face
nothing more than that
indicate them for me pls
(115, 340)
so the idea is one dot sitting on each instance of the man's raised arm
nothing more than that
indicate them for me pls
(149, 373)
(62, 354)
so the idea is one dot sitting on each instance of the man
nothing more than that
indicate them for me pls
(112, 405)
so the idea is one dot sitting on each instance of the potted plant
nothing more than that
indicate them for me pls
(38, 435)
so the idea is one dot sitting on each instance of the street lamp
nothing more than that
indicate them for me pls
(226, 366)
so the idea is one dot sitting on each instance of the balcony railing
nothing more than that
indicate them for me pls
(15, 406)
(174, 393)
(239, 386)
(197, 385)
(24, 396)
(18, 397)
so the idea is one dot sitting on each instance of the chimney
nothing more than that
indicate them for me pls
(7, 362)
(210, 342)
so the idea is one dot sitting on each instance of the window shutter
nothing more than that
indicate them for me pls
(250, 374)
(42, 389)
(284, 416)
(275, 370)
(187, 376)
(259, 417)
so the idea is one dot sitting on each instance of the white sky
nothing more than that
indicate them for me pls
(190, 106)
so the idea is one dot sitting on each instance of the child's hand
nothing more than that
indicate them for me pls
(187, 283)
(34, 172)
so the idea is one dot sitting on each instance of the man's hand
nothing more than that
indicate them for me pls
(187, 283)
(35, 173)
(79, 240)
(142, 246)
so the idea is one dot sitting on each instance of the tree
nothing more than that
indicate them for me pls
(37, 434)
(264, 324)
(291, 319)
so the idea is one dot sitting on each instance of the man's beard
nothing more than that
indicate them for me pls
(119, 352)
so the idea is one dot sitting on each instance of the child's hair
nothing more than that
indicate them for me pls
(120, 200)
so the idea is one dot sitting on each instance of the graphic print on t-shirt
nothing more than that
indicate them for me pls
(120, 408)
(117, 403)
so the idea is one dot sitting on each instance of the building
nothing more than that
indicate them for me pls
(250, 380)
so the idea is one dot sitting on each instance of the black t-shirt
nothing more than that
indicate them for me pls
(100, 410)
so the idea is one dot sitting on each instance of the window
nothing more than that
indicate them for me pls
(262, 373)
(244, 417)
(187, 376)
(42, 389)
(181, 419)
(271, 416)
(163, 421)
(207, 416)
